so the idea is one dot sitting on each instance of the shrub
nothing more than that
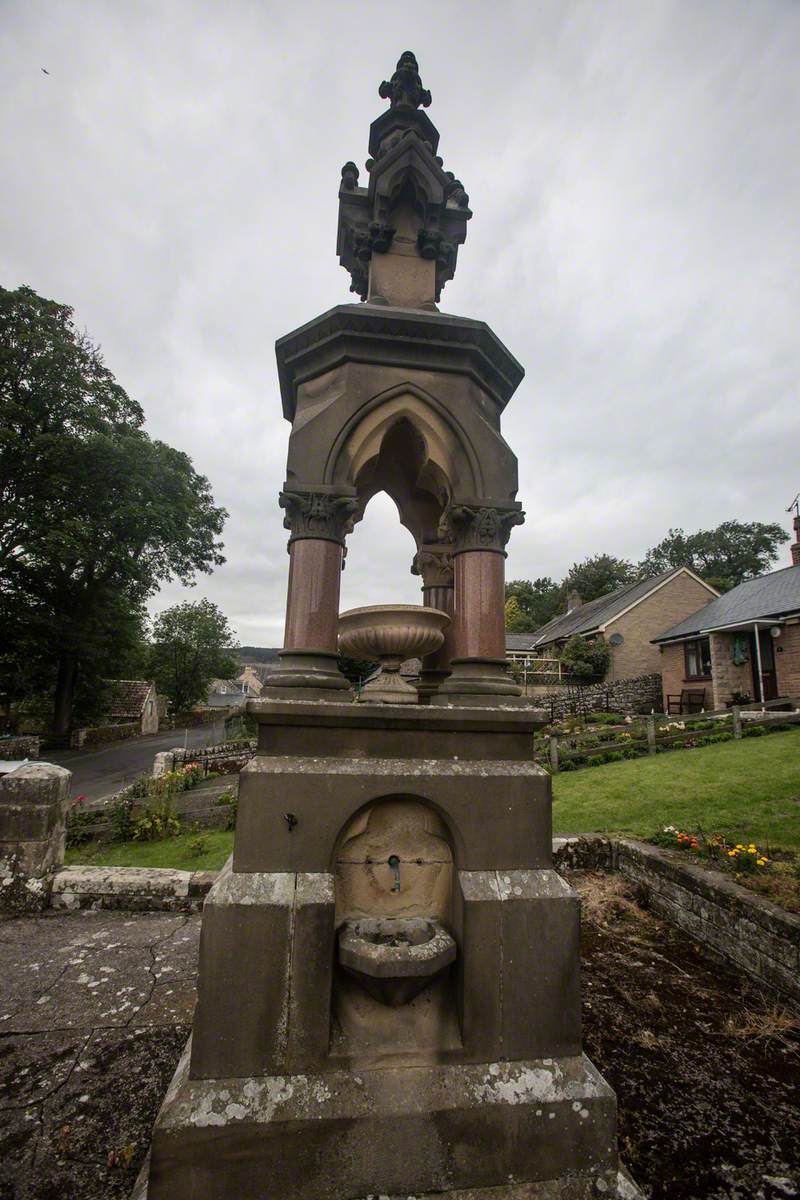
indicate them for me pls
(156, 822)
(586, 660)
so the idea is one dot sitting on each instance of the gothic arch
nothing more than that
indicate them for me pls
(447, 447)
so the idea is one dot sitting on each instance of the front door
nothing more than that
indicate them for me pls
(768, 673)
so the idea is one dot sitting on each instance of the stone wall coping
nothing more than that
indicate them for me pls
(711, 884)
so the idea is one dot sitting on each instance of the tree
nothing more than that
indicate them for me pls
(192, 644)
(587, 661)
(516, 621)
(538, 601)
(724, 557)
(94, 514)
(598, 575)
(355, 670)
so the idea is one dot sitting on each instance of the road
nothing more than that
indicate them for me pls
(98, 773)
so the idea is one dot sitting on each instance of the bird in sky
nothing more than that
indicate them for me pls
(45, 71)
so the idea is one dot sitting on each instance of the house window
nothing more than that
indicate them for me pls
(697, 658)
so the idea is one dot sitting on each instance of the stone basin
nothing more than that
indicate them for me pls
(390, 634)
(394, 958)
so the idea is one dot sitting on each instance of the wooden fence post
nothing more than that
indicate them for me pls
(651, 734)
(553, 754)
(737, 721)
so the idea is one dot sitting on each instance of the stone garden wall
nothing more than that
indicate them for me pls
(98, 735)
(226, 758)
(639, 695)
(751, 933)
(13, 748)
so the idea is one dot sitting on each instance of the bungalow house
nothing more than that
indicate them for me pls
(628, 620)
(744, 643)
(133, 700)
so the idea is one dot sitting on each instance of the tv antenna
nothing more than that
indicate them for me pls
(795, 505)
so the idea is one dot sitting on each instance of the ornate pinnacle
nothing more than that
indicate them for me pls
(405, 89)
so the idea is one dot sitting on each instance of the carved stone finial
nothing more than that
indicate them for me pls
(405, 89)
(318, 515)
(349, 176)
(482, 527)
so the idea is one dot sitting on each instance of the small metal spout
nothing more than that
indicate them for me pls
(394, 863)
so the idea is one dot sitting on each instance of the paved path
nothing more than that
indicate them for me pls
(98, 773)
(95, 1008)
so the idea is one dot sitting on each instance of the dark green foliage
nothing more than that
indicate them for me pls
(94, 514)
(538, 601)
(724, 557)
(191, 645)
(355, 670)
(586, 660)
(598, 575)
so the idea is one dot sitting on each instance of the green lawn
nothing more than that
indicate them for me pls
(749, 788)
(178, 852)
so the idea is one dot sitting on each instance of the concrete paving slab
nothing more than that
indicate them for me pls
(95, 1009)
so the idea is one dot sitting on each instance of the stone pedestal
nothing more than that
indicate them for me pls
(301, 1083)
(34, 801)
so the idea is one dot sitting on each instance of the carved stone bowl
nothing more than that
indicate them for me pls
(394, 958)
(390, 634)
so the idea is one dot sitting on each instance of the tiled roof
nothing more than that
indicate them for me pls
(127, 697)
(521, 641)
(593, 614)
(769, 596)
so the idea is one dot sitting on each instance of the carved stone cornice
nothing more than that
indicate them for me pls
(428, 341)
(318, 514)
(434, 563)
(482, 527)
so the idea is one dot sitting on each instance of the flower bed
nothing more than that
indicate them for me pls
(771, 873)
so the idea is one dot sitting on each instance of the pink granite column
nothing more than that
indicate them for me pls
(434, 562)
(479, 670)
(312, 603)
(479, 621)
(318, 519)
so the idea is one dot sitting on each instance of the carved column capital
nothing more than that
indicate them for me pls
(318, 514)
(482, 527)
(434, 563)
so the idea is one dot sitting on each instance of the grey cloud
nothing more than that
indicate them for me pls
(632, 168)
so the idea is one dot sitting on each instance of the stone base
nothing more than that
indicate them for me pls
(307, 675)
(542, 1130)
(475, 682)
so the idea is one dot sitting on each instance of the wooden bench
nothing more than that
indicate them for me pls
(691, 700)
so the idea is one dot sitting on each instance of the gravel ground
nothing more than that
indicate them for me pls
(96, 1007)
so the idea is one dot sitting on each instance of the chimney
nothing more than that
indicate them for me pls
(796, 546)
(574, 598)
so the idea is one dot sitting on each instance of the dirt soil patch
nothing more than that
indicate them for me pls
(96, 1007)
(705, 1065)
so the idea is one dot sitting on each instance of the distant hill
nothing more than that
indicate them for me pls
(258, 654)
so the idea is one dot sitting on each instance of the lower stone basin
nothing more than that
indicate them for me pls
(394, 958)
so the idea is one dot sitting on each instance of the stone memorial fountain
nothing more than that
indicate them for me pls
(389, 993)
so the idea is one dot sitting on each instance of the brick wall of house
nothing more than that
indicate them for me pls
(673, 602)
(728, 677)
(787, 661)
(673, 675)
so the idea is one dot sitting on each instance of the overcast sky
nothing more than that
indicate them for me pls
(634, 171)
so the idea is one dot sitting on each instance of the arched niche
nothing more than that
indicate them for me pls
(409, 829)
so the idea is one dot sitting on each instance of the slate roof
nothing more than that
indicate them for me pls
(127, 697)
(768, 597)
(521, 641)
(596, 613)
